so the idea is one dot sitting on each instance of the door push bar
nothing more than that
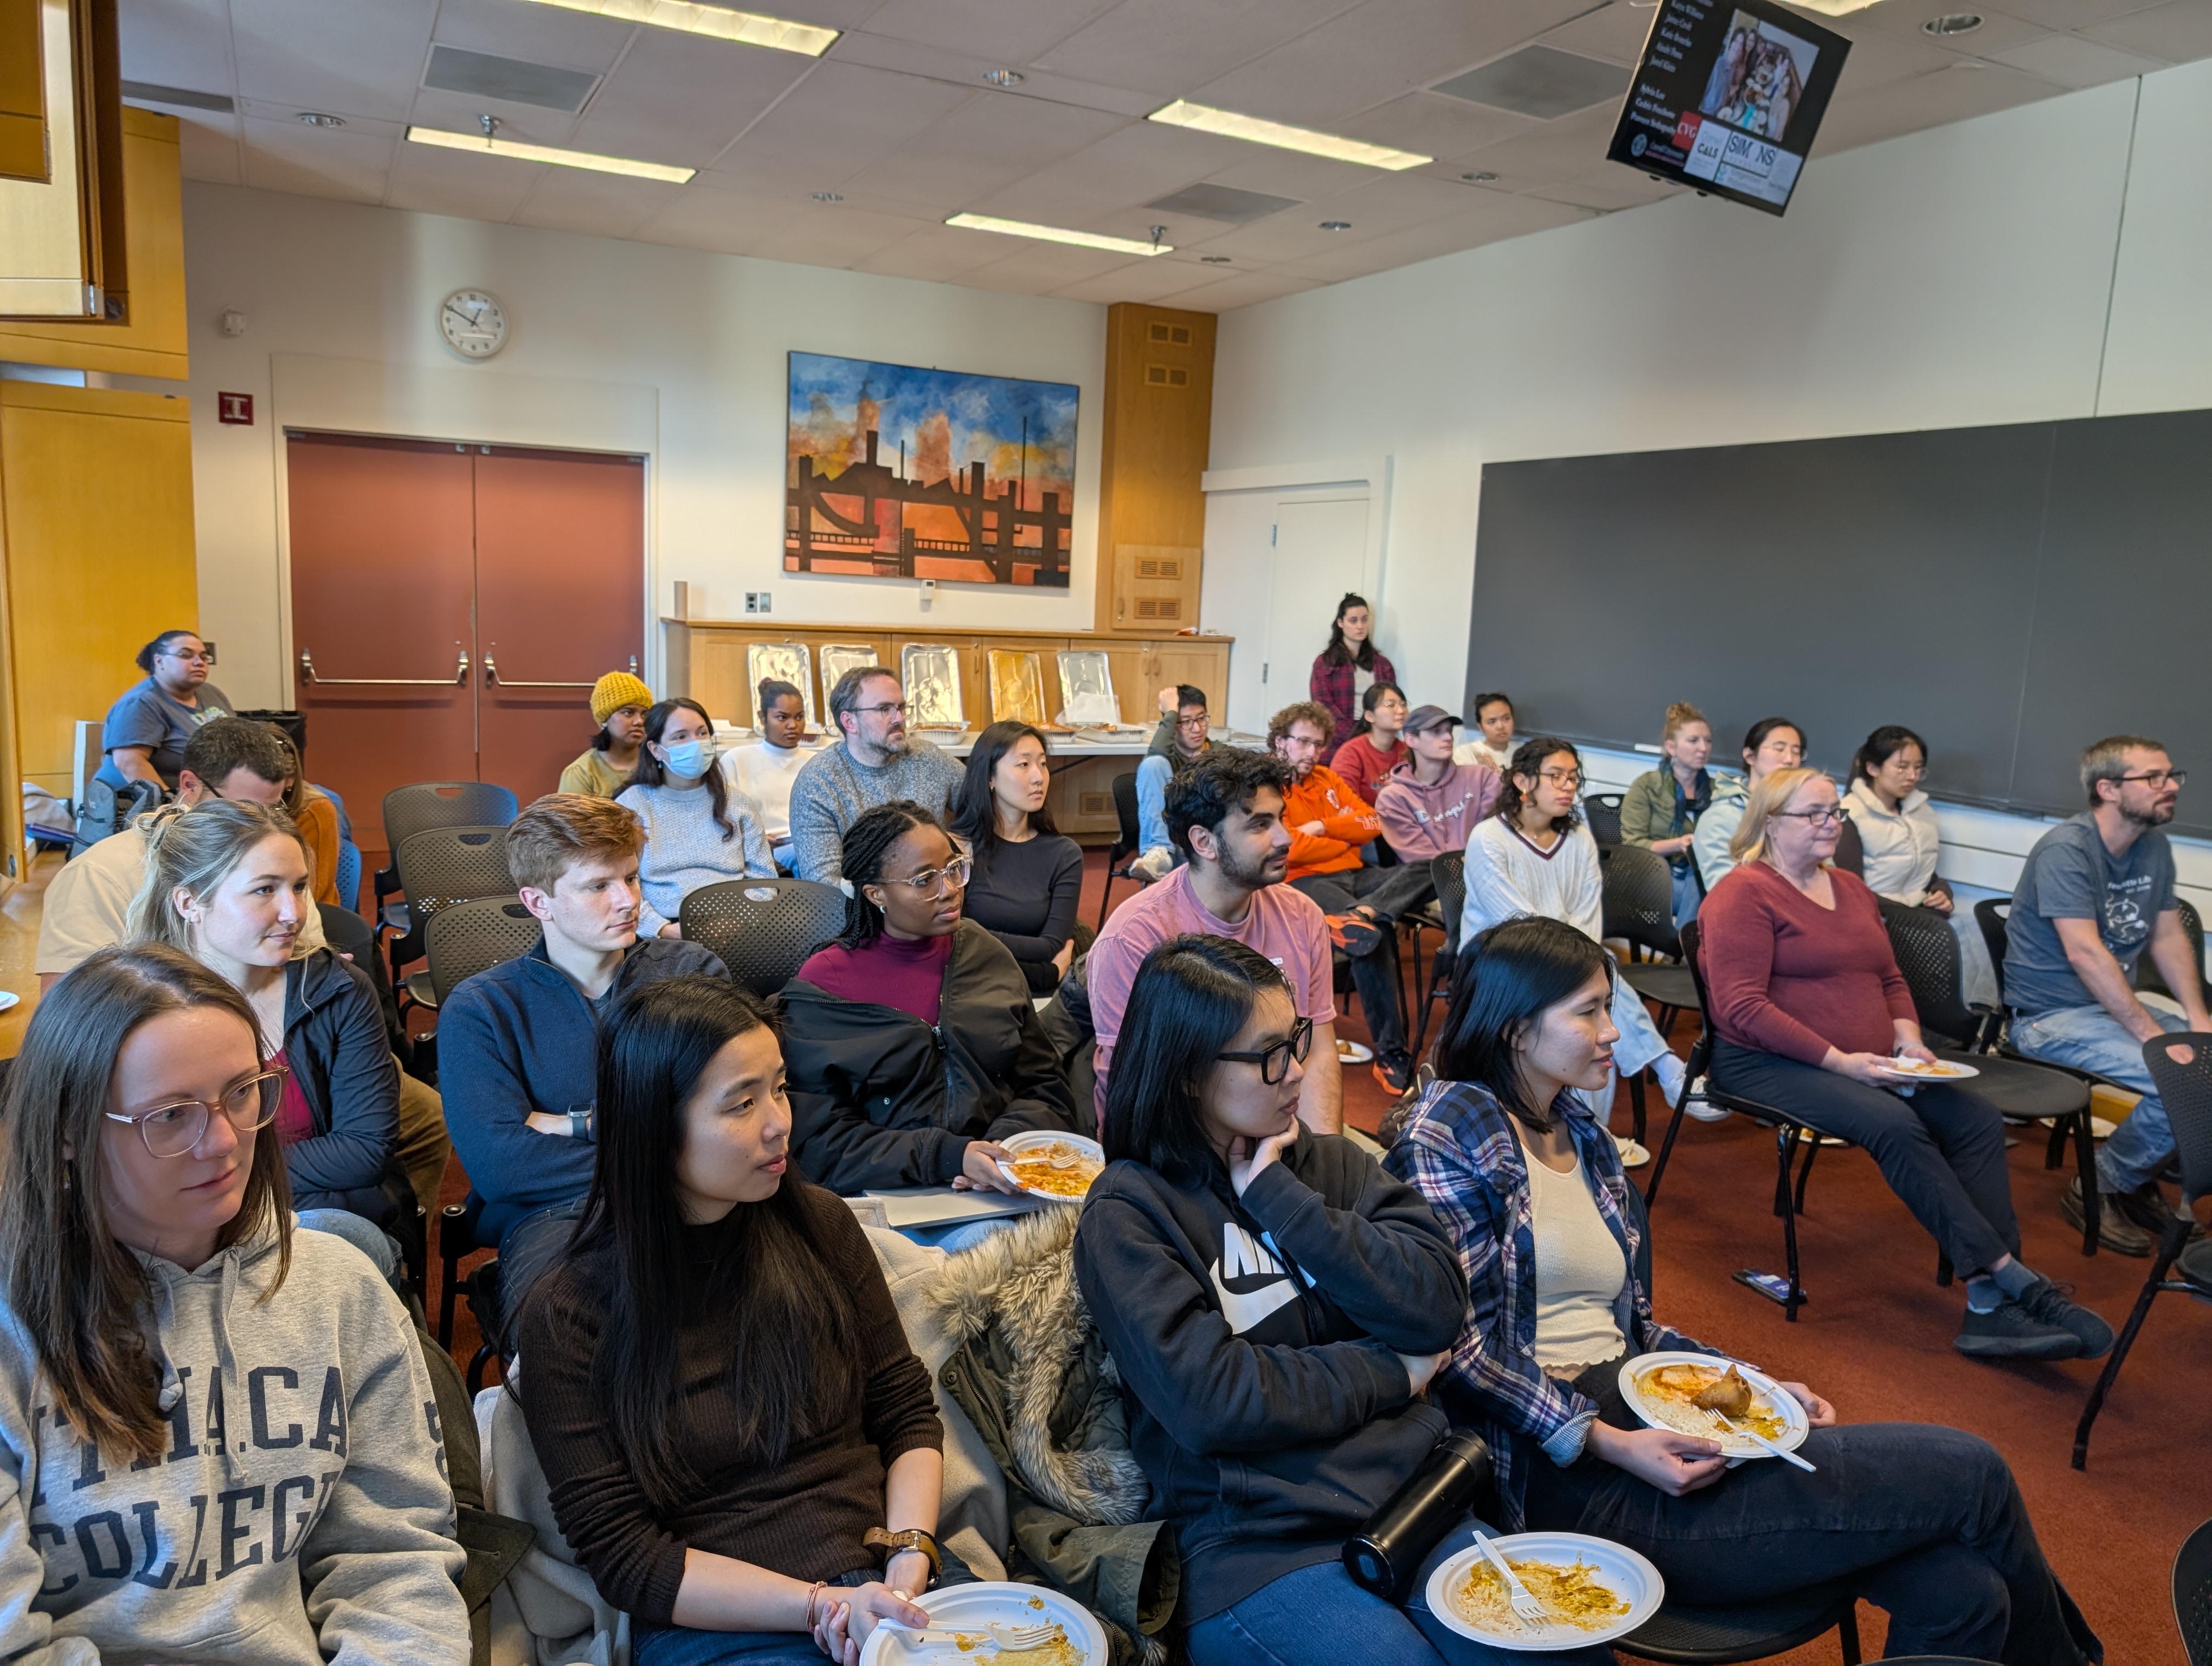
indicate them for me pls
(308, 674)
(491, 675)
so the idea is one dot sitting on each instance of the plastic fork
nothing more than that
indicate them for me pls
(1526, 1608)
(1012, 1640)
(1722, 1426)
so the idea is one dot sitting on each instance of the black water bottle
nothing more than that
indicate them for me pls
(1383, 1556)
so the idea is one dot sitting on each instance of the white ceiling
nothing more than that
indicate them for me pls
(897, 120)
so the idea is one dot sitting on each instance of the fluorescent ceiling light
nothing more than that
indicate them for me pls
(546, 153)
(1183, 114)
(750, 28)
(1831, 8)
(1085, 239)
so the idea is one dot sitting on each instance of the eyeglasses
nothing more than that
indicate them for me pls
(2160, 777)
(1561, 777)
(176, 1127)
(1197, 722)
(939, 881)
(880, 710)
(1836, 813)
(201, 657)
(1274, 1059)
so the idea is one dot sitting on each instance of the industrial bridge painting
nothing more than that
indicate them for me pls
(895, 471)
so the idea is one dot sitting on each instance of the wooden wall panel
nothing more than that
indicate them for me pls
(1151, 512)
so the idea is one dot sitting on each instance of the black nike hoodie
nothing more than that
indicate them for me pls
(1258, 1337)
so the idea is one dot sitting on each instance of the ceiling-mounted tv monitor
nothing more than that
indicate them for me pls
(1726, 98)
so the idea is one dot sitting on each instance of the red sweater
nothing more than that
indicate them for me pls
(1786, 975)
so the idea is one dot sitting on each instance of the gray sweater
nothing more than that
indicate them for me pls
(835, 789)
(685, 847)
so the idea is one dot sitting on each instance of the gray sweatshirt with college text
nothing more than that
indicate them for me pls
(300, 1513)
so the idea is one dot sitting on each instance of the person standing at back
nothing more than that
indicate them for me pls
(874, 761)
(766, 770)
(619, 703)
(1350, 666)
(2096, 892)
(146, 729)
(1662, 808)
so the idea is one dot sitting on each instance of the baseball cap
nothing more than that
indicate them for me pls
(1424, 718)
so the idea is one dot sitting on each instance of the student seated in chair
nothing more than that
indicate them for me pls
(914, 1046)
(212, 1427)
(1899, 840)
(738, 1440)
(1810, 1015)
(1028, 880)
(1276, 1305)
(766, 770)
(1429, 805)
(1378, 744)
(1661, 810)
(1225, 815)
(619, 703)
(1530, 1188)
(699, 830)
(226, 884)
(517, 1044)
(1772, 743)
(1492, 741)
(873, 761)
(1179, 740)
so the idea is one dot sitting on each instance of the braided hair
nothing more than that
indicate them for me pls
(868, 844)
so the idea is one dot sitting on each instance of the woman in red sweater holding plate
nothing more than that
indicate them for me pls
(1812, 1016)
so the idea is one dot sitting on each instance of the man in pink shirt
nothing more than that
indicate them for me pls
(1226, 815)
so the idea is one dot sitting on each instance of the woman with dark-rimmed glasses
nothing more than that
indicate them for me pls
(912, 1044)
(212, 1436)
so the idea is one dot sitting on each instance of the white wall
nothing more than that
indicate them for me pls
(613, 346)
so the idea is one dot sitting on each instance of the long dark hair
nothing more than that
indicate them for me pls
(1336, 654)
(1191, 997)
(868, 844)
(651, 772)
(1528, 760)
(1883, 745)
(793, 1332)
(974, 815)
(1755, 736)
(1369, 700)
(1503, 984)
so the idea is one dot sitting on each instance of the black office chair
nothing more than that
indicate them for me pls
(2184, 1087)
(1448, 873)
(1639, 908)
(470, 937)
(2148, 979)
(438, 868)
(2192, 1595)
(761, 929)
(423, 805)
(1684, 1635)
(1124, 849)
(1602, 812)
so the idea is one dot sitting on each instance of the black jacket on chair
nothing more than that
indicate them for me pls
(340, 1054)
(879, 1098)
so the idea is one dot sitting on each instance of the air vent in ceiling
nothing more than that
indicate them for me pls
(509, 80)
(148, 92)
(1223, 202)
(1538, 81)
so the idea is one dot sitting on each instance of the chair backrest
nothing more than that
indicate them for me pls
(1990, 914)
(468, 936)
(2192, 1595)
(2184, 1087)
(2148, 976)
(349, 866)
(443, 865)
(1701, 1052)
(1602, 812)
(1448, 873)
(1928, 954)
(427, 804)
(761, 929)
(1639, 898)
(1850, 852)
(1125, 813)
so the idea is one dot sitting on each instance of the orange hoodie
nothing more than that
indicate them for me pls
(1348, 820)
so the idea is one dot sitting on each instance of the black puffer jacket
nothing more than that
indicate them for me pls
(879, 1098)
(339, 1052)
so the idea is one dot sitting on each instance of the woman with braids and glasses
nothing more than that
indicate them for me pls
(1812, 1016)
(1276, 1305)
(913, 1044)
(212, 1439)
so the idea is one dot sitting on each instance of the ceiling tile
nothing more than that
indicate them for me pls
(966, 70)
(545, 34)
(1141, 162)
(676, 98)
(2073, 62)
(1571, 148)
(1496, 218)
(983, 146)
(1901, 20)
(936, 254)
(2180, 32)
(1166, 46)
(726, 222)
(459, 113)
(1923, 101)
(469, 184)
(209, 149)
(2072, 14)
(1431, 124)
(342, 162)
(596, 204)
(1140, 280)
(1245, 289)
(335, 55)
(1042, 268)
(1876, 60)
(1614, 32)
(835, 237)
(177, 42)
(1616, 186)
(837, 122)
(1539, 81)
(500, 78)
(992, 30)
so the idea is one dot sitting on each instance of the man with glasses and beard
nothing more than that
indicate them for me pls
(2096, 892)
(1225, 814)
(874, 761)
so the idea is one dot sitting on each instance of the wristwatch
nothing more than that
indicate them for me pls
(580, 1122)
(907, 1538)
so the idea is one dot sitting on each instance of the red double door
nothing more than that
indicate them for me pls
(451, 606)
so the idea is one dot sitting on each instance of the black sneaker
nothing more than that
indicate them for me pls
(2012, 1333)
(2046, 1304)
(1394, 1071)
(2146, 1206)
(2115, 1231)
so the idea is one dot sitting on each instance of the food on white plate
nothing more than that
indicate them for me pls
(1573, 1595)
(1675, 1395)
(1060, 1170)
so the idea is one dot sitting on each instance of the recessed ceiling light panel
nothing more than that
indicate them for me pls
(1483, 177)
(1082, 239)
(1005, 77)
(1225, 203)
(319, 119)
(1215, 260)
(748, 29)
(827, 196)
(1283, 137)
(509, 80)
(519, 151)
(1952, 22)
(1336, 225)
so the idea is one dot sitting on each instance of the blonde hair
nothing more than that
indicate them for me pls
(1772, 795)
(1680, 716)
(195, 851)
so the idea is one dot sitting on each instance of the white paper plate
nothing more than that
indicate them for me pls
(1021, 1142)
(1951, 1072)
(8, 998)
(1631, 1578)
(1765, 1389)
(1353, 1052)
(961, 1607)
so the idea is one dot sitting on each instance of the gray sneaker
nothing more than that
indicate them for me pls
(2046, 1304)
(2011, 1332)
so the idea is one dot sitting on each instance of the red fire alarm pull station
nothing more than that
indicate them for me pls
(234, 408)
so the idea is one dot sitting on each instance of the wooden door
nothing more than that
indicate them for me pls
(559, 558)
(383, 634)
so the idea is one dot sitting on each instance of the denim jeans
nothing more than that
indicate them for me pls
(2090, 1038)
(526, 1254)
(1925, 1521)
(1390, 891)
(365, 1235)
(1153, 774)
(681, 1645)
(1317, 1617)
(1682, 875)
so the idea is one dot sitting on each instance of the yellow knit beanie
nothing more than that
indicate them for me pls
(614, 690)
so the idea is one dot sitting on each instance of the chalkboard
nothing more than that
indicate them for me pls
(2011, 593)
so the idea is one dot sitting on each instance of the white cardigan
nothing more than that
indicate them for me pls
(1900, 845)
(1507, 875)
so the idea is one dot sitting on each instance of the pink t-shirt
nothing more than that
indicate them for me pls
(1287, 926)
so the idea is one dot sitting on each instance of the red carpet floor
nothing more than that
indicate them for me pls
(1876, 1340)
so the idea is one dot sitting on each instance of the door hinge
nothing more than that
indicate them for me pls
(1263, 670)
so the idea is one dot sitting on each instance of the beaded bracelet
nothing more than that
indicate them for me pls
(813, 1591)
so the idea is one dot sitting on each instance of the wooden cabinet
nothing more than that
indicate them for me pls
(1151, 511)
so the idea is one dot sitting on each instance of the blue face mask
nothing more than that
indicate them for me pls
(691, 758)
